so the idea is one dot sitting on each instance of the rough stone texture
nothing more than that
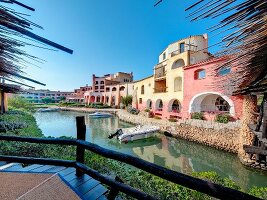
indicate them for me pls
(221, 137)
(246, 136)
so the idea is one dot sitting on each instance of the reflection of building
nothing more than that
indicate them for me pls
(110, 88)
(36, 96)
(161, 155)
(184, 82)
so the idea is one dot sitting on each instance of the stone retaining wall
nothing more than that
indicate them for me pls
(221, 137)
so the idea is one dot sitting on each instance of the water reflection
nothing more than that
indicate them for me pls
(178, 155)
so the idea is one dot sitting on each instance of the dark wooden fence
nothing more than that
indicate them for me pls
(200, 185)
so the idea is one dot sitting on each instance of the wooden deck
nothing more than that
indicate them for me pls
(85, 186)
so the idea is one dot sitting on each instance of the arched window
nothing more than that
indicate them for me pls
(96, 82)
(102, 82)
(142, 89)
(178, 63)
(178, 84)
(175, 106)
(122, 88)
(149, 104)
(159, 105)
(200, 74)
(114, 89)
(107, 89)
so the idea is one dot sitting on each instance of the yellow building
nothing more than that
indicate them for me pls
(163, 91)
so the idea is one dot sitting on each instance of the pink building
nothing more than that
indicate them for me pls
(203, 91)
(110, 88)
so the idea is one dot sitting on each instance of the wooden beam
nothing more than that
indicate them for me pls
(264, 125)
(36, 37)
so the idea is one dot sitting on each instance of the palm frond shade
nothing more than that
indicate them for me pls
(15, 33)
(244, 30)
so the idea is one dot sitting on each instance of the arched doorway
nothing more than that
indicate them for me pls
(174, 106)
(149, 104)
(107, 99)
(98, 99)
(92, 99)
(211, 102)
(112, 101)
(159, 105)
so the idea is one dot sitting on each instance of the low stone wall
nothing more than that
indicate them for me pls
(220, 137)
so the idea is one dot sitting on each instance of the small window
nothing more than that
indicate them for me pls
(102, 82)
(96, 87)
(143, 89)
(224, 71)
(164, 56)
(181, 47)
(200, 74)
(140, 100)
(96, 82)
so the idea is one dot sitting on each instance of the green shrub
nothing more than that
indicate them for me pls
(172, 120)
(157, 117)
(260, 192)
(147, 110)
(127, 100)
(223, 118)
(20, 103)
(197, 115)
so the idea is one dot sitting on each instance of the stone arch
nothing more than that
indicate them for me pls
(159, 105)
(178, 63)
(98, 99)
(178, 84)
(149, 104)
(208, 102)
(174, 106)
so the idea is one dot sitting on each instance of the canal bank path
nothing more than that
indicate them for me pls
(219, 136)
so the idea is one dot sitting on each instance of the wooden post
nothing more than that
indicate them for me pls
(81, 133)
(114, 191)
(264, 126)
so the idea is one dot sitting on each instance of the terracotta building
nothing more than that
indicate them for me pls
(110, 88)
(185, 81)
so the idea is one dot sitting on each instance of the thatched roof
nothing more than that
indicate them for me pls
(15, 33)
(246, 20)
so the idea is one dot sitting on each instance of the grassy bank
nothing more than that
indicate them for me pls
(22, 123)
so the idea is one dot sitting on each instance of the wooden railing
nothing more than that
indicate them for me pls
(200, 185)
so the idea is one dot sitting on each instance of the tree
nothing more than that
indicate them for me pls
(127, 100)
(47, 100)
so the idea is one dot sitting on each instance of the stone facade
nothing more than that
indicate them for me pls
(220, 136)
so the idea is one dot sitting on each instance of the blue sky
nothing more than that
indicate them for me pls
(107, 36)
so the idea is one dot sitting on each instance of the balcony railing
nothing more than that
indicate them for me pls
(160, 90)
(160, 74)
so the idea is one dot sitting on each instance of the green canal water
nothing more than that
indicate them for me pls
(176, 154)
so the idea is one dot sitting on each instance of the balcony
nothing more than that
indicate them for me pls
(160, 72)
(160, 90)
